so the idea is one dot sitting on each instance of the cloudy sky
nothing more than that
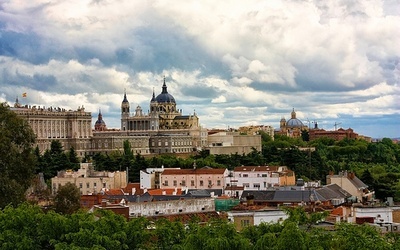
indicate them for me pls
(232, 62)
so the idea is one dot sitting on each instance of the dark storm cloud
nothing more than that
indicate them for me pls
(200, 91)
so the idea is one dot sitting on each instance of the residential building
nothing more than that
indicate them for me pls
(88, 180)
(203, 178)
(261, 177)
(349, 182)
(242, 219)
(150, 178)
(171, 207)
(253, 130)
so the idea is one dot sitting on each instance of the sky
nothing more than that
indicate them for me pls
(234, 63)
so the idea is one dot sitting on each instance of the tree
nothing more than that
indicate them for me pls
(67, 199)
(17, 160)
(73, 158)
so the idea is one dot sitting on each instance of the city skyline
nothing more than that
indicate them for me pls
(233, 63)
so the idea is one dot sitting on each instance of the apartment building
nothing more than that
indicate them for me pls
(88, 180)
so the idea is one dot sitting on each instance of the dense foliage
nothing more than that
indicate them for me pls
(376, 163)
(16, 158)
(28, 227)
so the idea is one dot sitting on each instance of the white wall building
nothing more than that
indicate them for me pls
(137, 209)
(259, 177)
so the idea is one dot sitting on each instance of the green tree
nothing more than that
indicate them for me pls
(73, 159)
(358, 237)
(291, 237)
(17, 160)
(67, 199)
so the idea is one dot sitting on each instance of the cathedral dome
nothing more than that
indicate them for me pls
(165, 96)
(293, 121)
(100, 125)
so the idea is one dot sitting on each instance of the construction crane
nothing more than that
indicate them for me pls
(336, 123)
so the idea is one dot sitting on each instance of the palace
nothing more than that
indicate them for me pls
(73, 128)
(162, 130)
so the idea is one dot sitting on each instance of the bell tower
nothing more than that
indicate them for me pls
(124, 113)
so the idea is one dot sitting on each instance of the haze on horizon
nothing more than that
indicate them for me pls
(235, 63)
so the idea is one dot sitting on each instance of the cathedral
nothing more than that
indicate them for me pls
(291, 127)
(162, 115)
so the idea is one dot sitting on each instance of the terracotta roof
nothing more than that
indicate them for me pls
(256, 168)
(194, 171)
(168, 191)
(234, 188)
(130, 186)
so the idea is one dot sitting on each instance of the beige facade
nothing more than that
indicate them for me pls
(349, 182)
(71, 127)
(108, 141)
(89, 181)
(225, 142)
(203, 178)
(253, 130)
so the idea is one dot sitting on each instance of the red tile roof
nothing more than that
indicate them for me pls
(130, 186)
(168, 191)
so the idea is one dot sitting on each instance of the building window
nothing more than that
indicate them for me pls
(264, 175)
(201, 183)
(218, 182)
(166, 183)
(256, 185)
(246, 185)
(192, 183)
(245, 175)
(87, 185)
(245, 223)
(104, 185)
(174, 183)
(80, 185)
(95, 184)
(183, 183)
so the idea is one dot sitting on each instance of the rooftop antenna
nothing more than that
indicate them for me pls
(336, 123)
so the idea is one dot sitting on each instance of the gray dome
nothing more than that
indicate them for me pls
(164, 96)
(294, 122)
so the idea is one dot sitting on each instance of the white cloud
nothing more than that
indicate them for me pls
(327, 59)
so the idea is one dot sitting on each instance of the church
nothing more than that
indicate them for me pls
(162, 115)
(291, 127)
